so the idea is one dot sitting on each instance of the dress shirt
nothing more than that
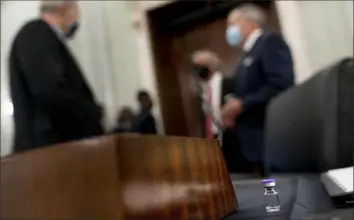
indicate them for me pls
(215, 84)
(60, 34)
(252, 39)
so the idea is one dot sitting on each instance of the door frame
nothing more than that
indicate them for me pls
(290, 26)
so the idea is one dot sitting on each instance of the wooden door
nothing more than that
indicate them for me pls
(175, 38)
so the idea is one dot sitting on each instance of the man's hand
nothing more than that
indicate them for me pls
(230, 111)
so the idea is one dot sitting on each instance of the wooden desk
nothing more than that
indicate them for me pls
(118, 177)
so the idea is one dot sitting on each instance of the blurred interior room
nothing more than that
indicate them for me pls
(138, 58)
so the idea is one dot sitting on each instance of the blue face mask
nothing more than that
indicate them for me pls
(233, 36)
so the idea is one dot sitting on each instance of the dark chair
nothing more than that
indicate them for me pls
(310, 127)
(118, 177)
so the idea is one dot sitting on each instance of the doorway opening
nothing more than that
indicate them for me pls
(176, 31)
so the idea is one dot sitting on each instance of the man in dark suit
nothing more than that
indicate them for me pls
(52, 101)
(265, 69)
(125, 120)
(215, 88)
(145, 121)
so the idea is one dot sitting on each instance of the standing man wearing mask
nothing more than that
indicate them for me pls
(52, 101)
(215, 89)
(145, 122)
(125, 120)
(265, 69)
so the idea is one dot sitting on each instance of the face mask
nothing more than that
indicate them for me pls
(201, 71)
(72, 30)
(233, 36)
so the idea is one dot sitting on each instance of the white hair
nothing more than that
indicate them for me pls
(48, 5)
(252, 12)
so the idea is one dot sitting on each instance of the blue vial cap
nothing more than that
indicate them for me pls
(267, 181)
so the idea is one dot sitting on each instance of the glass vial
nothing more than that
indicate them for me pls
(271, 196)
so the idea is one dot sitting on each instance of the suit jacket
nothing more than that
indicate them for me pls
(52, 101)
(262, 73)
(145, 123)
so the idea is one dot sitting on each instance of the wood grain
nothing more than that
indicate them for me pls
(119, 177)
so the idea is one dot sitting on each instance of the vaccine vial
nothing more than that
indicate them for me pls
(271, 196)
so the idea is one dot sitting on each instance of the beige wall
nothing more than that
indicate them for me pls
(13, 15)
(106, 49)
(113, 46)
(289, 17)
(328, 30)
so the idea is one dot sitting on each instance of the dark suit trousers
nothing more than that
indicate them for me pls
(234, 158)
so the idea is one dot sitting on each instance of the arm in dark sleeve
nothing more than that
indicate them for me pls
(149, 125)
(277, 65)
(227, 89)
(44, 71)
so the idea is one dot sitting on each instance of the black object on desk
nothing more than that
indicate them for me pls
(310, 127)
(301, 198)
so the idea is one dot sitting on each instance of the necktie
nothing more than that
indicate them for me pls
(208, 116)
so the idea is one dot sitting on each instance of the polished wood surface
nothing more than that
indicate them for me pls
(71, 181)
(119, 177)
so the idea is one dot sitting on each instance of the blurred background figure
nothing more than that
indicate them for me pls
(145, 121)
(52, 102)
(120, 54)
(125, 120)
(215, 89)
(264, 70)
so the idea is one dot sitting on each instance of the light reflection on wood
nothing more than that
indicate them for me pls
(142, 197)
(126, 177)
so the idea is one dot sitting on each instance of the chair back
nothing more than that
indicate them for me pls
(310, 127)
